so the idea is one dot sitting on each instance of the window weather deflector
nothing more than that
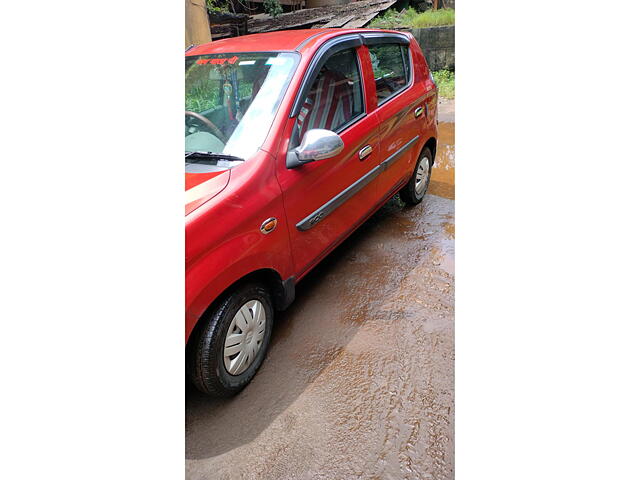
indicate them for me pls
(327, 49)
(379, 38)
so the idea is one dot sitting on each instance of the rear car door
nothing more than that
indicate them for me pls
(400, 108)
(326, 199)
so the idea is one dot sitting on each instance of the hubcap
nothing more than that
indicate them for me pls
(422, 176)
(244, 337)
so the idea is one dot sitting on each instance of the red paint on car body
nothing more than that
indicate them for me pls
(224, 210)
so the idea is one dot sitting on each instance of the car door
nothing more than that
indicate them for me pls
(400, 108)
(326, 199)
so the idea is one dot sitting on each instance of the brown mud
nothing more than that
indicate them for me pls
(443, 174)
(358, 381)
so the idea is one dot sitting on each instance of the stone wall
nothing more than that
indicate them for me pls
(438, 45)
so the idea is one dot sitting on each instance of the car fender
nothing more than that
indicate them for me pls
(200, 296)
(225, 241)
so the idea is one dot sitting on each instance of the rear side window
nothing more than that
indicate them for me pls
(391, 69)
(335, 98)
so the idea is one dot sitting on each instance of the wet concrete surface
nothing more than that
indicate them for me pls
(359, 378)
(447, 110)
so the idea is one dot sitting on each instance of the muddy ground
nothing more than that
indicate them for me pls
(358, 382)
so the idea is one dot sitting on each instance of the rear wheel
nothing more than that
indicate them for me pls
(232, 343)
(414, 191)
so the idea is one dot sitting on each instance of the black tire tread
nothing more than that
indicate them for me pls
(408, 192)
(201, 367)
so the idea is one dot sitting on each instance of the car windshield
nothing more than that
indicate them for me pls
(231, 101)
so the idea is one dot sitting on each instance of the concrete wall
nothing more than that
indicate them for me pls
(438, 45)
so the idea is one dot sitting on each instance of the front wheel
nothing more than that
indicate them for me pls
(232, 343)
(414, 191)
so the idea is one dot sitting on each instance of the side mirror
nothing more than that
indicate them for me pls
(317, 144)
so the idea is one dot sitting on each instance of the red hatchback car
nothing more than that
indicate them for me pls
(292, 140)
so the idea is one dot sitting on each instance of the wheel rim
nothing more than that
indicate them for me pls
(422, 176)
(244, 337)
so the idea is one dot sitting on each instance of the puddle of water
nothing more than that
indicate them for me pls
(443, 174)
(358, 381)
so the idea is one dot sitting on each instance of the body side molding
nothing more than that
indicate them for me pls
(389, 160)
(316, 216)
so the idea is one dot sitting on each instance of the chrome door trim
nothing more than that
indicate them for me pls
(365, 152)
(321, 213)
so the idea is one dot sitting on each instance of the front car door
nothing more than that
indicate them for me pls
(325, 200)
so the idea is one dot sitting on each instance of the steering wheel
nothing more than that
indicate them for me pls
(207, 123)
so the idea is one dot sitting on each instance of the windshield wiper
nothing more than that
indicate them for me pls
(211, 156)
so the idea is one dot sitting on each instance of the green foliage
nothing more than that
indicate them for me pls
(273, 7)
(201, 92)
(214, 6)
(203, 97)
(412, 19)
(435, 18)
(446, 82)
(204, 85)
(393, 19)
(386, 60)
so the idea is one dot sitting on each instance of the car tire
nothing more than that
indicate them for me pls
(415, 190)
(210, 370)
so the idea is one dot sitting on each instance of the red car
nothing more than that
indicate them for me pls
(292, 140)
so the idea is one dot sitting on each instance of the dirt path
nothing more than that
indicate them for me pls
(358, 382)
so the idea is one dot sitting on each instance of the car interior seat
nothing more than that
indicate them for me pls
(329, 103)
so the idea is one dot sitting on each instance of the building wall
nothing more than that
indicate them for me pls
(438, 45)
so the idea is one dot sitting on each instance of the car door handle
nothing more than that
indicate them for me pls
(418, 111)
(365, 152)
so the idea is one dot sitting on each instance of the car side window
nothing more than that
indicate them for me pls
(335, 97)
(391, 69)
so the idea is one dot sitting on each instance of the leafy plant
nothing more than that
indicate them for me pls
(434, 18)
(202, 97)
(214, 6)
(446, 82)
(411, 18)
(273, 7)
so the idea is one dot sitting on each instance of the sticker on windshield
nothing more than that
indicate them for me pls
(276, 61)
(217, 61)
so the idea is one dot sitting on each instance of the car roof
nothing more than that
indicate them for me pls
(283, 40)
